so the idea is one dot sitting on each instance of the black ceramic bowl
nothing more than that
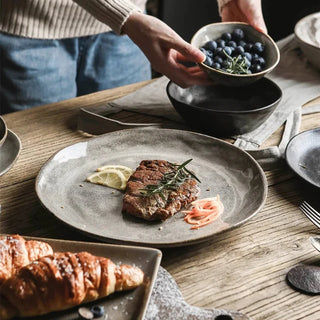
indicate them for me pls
(225, 111)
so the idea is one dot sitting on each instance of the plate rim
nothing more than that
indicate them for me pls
(3, 124)
(290, 164)
(157, 244)
(10, 133)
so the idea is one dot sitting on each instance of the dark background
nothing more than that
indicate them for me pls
(187, 16)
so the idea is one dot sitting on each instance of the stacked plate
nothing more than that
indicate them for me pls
(307, 33)
(10, 147)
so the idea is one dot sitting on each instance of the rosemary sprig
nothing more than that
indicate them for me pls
(171, 180)
(237, 65)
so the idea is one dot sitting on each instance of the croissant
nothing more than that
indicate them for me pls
(16, 252)
(61, 281)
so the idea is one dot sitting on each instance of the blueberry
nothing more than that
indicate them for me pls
(255, 68)
(248, 56)
(98, 311)
(247, 62)
(219, 52)
(248, 47)
(221, 43)
(255, 60)
(262, 61)
(226, 36)
(218, 59)
(216, 65)
(208, 61)
(226, 64)
(203, 50)
(240, 58)
(258, 47)
(209, 53)
(255, 56)
(237, 34)
(242, 43)
(259, 60)
(231, 44)
(210, 45)
(228, 50)
(238, 50)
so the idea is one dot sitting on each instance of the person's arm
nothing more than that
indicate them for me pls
(248, 11)
(113, 13)
(165, 48)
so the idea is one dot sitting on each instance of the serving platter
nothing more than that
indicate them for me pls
(120, 305)
(303, 154)
(95, 210)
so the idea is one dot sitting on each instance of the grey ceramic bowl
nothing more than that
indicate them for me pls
(215, 30)
(307, 33)
(3, 131)
(223, 111)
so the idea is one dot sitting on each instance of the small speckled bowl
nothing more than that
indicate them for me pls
(307, 33)
(215, 30)
(3, 131)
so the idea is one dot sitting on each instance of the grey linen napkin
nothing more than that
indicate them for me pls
(298, 80)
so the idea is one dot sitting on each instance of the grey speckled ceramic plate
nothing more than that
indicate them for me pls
(9, 152)
(3, 131)
(96, 210)
(303, 154)
(126, 305)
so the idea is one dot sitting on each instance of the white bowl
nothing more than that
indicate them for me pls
(307, 33)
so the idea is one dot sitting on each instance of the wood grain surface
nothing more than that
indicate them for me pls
(243, 269)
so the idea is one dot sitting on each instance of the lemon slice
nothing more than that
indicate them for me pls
(112, 178)
(126, 171)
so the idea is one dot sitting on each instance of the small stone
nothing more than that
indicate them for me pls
(160, 228)
(85, 313)
(305, 278)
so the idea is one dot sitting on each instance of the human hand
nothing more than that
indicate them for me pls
(165, 49)
(248, 11)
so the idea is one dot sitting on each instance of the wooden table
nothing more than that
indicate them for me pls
(242, 269)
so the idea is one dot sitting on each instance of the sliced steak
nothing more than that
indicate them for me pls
(155, 207)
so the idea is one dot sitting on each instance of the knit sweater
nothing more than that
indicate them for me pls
(58, 19)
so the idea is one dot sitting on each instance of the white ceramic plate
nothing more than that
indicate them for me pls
(96, 210)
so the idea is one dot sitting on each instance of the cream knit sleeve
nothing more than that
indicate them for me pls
(113, 13)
